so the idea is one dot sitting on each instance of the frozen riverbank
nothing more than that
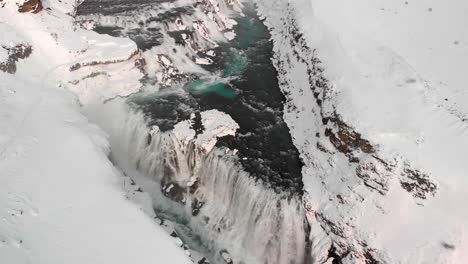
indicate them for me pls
(382, 147)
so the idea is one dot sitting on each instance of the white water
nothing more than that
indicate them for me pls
(253, 223)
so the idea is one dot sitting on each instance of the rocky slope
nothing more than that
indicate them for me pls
(370, 197)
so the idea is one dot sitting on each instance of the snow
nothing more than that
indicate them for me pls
(61, 199)
(390, 48)
(210, 23)
(3, 55)
(390, 66)
(184, 132)
(397, 76)
(430, 36)
(203, 61)
(63, 45)
(9, 36)
(216, 124)
(230, 35)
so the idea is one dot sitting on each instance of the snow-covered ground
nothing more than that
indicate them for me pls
(396, 75)
(381, 123)
(93, 66)
(61, 199)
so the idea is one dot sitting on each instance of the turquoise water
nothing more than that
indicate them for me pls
(200, 87)
(249, 30)
(235, 61)
(233, 67)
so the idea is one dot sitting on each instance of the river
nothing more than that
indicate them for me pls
(252, 212)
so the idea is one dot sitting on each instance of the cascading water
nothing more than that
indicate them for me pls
(233, 197)
(221, 207)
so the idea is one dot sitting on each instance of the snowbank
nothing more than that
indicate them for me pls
(95, 67)
(393, 72)
(61, 199)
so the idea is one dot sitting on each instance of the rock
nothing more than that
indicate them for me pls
(140, 64)
(203, 261)
(32, 6)
(16, 53)
(196, 206)
(374, 176)
(419, 184)
(347, 140)
(174, 192)
(75, 67)
(226, 256)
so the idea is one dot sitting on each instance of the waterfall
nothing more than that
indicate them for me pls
(221, 204)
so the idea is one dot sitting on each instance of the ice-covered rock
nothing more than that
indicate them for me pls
(215, 125)
(203, 61)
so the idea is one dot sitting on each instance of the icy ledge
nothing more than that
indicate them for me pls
(213, 125)
(95, 67)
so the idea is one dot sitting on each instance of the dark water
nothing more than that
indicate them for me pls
(145, 34)
(242, 83)
(252, 98)
(246, 88)
(264, 137)
(115, 7)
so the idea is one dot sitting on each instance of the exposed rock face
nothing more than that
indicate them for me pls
(32, 6)
(417, 183)
(16, 53)
(77, 66)
(345, 139)
(374, 170)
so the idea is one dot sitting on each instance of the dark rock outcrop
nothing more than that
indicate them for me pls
(16, 53)
(417, 183)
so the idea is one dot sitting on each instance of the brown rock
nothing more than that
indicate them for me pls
(33, 6)
(419, 184)
(346, 140)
